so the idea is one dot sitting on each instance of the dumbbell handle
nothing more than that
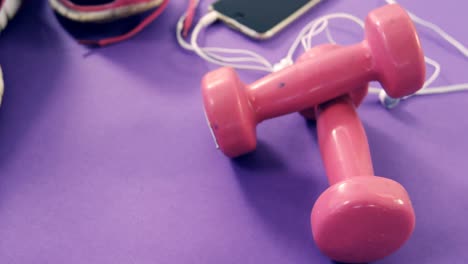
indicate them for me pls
(311, 82)
(343, 141)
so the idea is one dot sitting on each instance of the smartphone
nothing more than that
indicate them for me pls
(260, 19)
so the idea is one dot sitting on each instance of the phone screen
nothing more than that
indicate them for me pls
(260, 15)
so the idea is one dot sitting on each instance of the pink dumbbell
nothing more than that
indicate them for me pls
(356, 95)
(390, 54)
(361, 217)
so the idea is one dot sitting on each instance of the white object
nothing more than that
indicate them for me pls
(249, 60)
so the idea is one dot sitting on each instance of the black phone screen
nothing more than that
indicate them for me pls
(259, 15)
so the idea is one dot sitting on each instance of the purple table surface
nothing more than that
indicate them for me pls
(105, 156)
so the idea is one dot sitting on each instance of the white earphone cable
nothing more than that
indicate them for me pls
(213, 54)
(249, 60)
(389, 102)
(316, 27)
(451, 40)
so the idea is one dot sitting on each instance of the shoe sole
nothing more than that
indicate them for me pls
(104, 15)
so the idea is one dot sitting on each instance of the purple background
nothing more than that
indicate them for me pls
(105, 156)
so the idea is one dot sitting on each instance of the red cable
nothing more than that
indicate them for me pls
(133, 32)
(189, 16)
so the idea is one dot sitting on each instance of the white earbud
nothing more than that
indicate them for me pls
(387, 101)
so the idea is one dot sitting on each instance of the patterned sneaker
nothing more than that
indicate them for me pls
(8, 9)
(96, 12)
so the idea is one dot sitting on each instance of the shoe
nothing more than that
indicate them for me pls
(99, 12)
(102, 10)
(8, 9)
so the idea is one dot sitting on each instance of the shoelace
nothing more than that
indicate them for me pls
(107, 41)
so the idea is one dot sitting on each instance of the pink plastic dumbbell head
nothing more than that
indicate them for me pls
(228, 112)
(396, 50)
(360, 217)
